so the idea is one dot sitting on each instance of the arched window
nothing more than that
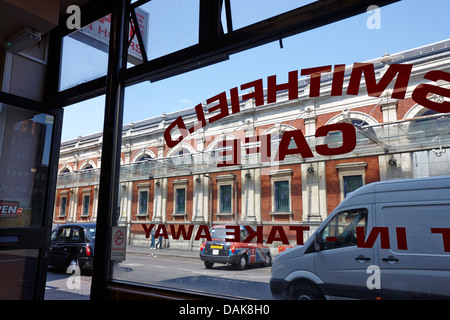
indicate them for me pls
(182, 151)
(181, 156)
(144, 157)
(65, 170)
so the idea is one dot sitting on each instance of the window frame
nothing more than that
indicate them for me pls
(141, 212)
(277, 184)
(85, 194)
(279, 176)
(63, 209)
(337, 243)
(221, 198)
(350, 169)
(178, 185)
(180, 208)
(346, 192)
(225, 180)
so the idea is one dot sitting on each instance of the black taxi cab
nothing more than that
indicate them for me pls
(72, 247)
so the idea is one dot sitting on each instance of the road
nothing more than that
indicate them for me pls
(61, 286)
(163, 268)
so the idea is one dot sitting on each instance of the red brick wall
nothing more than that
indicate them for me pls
(403, 107)
(372, 174)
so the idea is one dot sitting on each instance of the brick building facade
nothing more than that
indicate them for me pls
(396, 138)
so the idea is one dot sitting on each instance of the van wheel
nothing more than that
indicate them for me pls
(307, 291)
(208, 265)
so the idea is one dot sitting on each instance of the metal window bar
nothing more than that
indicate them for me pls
(225, 198)
(86, 200)
(281, 196)
(351, 183)
(143, 202)
(181, 203)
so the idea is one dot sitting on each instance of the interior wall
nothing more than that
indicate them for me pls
(23, 73)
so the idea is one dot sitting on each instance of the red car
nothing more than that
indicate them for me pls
(238, 254)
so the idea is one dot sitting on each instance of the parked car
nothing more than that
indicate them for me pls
(239, 254)
(386, 240)
(72, 246)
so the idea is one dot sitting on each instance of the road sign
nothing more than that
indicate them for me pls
(119, 243)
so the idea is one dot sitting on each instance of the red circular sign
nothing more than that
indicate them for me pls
(118, 238)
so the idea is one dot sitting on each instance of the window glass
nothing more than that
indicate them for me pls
(62, 212)
(64, 236)
(161, 35)
(55, 235)
(85, 54)
(90, 233)
(351, 183)
(226, 173)
(260, 10)
(282, 195)
(341, 230)
(143, 202)
(181, 200)
(225, 198)
(25, 150)
(86, 200)
(256, 186)
(76, 235)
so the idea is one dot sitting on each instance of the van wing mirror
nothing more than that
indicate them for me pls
(318, 241)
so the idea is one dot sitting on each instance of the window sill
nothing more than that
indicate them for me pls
(281, 213)
(179, 214)
(224, 214)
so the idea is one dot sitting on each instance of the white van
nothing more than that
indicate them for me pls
(410, 258)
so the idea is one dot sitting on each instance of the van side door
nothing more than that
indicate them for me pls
(340, 263)
(416, 265)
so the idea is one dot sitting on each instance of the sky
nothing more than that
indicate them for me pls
(400, 26)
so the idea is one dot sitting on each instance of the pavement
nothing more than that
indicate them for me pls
(57, 287)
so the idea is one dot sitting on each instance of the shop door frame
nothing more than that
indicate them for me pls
(37, 237)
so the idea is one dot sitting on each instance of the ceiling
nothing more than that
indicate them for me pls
(41, 16)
